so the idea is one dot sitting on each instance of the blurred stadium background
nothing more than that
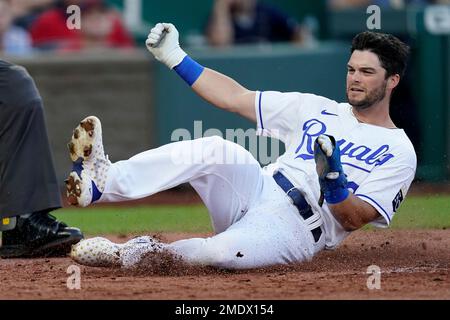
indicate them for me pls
(141, 103)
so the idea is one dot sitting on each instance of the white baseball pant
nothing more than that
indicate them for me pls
(255, 224)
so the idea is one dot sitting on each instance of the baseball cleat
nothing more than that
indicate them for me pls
(134, 250)
(87, 180)
(100, 252)
(96, 252)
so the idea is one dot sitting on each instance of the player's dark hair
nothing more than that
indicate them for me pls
(391, 51)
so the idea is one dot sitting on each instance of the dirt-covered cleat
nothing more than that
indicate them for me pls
(132, 251)
(87, 180)
(80, 192)
(101, 252)
(96, 252)
(84, 137)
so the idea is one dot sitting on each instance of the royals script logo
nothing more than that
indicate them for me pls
(364, 158)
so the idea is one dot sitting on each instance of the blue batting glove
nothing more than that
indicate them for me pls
(332, 179)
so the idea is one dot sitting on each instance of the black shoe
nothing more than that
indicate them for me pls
(39, 235)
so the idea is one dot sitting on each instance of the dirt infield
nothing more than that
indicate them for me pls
(414, 265)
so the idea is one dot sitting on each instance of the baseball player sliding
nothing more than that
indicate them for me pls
(345, 165)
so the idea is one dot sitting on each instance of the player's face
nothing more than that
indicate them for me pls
(366, 80)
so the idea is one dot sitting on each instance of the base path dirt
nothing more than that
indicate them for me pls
(413, 264)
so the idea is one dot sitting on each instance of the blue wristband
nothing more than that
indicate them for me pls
(335, 191)
(189, 70)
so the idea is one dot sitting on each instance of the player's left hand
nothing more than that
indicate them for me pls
(332, 179)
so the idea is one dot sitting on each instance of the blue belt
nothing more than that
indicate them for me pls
(298, 200)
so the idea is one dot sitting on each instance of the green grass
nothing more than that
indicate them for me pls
(117, 220)
(426, 212)
(415, 213)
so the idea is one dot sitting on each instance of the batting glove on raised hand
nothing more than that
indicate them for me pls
(332, 179)
(163, 43)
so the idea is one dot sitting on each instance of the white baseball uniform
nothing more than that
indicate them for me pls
(254, 221)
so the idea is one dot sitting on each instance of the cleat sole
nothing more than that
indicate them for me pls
(73, 188)
(82, 140)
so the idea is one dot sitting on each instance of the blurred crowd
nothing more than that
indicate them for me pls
(395, 4)
(251, 21)
(41, 25)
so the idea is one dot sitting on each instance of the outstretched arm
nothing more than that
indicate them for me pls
(214, 87)
(226, 93)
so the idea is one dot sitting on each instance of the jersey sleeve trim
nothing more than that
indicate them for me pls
(376, 205)
(260, 131)
(260, 111)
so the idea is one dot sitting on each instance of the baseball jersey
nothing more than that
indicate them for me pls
(380, 163)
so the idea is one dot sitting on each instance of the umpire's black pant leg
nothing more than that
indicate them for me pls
(28, 180)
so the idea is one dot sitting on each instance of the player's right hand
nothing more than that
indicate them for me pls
(163, 43)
